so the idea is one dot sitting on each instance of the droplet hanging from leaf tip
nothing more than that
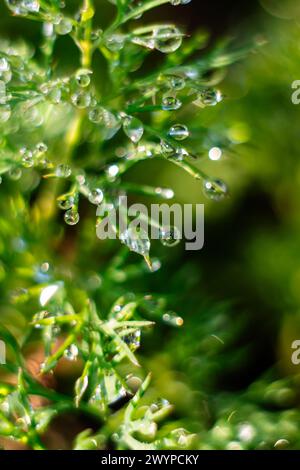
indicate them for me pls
(133, 128)
(215, 189)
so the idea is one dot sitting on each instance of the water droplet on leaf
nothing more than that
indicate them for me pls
(133, 128)
(66, 201)
(159, 405)
(15, 174)
(170, 103)
(281, 444)
(96, 196)
(179, 2)
(63, 171)
(136, 240)
(54, 95)
(71, 217)
(22, 7)
(96, 114)
(215, 189)
(41, 147)
(167, 39)
(179, 132)
(71, 353)
(177, 83)
(112, 171)
(64, 26)
(27, 158)
(83, 78)
(4, 65)
(39, 317)
(5, 113)
(209, 97)
(32, 6)
(81, 99)
(115, 42)
(170, 151)
(170, 236)
(81, 385)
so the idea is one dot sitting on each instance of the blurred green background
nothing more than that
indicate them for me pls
(239, 296)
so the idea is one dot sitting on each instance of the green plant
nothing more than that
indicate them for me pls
(61, 145)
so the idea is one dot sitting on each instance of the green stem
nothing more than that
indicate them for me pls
(133, 14)
(186, 166)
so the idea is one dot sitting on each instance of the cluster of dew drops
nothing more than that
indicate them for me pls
(76, 90)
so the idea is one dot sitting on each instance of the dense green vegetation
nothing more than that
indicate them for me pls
(100, 99)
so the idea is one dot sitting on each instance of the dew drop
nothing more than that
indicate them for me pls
(41, 147)
(109, 119)
(97, 396)
(81, 385)
(156, 265)
(96, 196)
(215, 189)
(81, 99)
(54, 95)
(133, 128)
(71, 217)
(48, 30)
(83, 78)
(170, 151)
(15, 174)
(16, 6)
(281, 444)
(133, 340)
(115, 42)
(180, 2)
(210, 97)
(27, 158)
(96, 34)
(6, 76)
(64, 26)
(170, 236)
(159, 405)
(4, 65)
(63, 171)
(115, 437)
(167, 39)
(179, 132)
(96, 114)
(170, 103)
(32, 116)
(177, 83)
(136, 240)
(32, 6)
(112, 171)
(167, 149)
(181, 437)
(66, 201)
(133, 382)
(80, 179)
(5, 113)
(71, 353)
(148, 42)
(42, 315)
